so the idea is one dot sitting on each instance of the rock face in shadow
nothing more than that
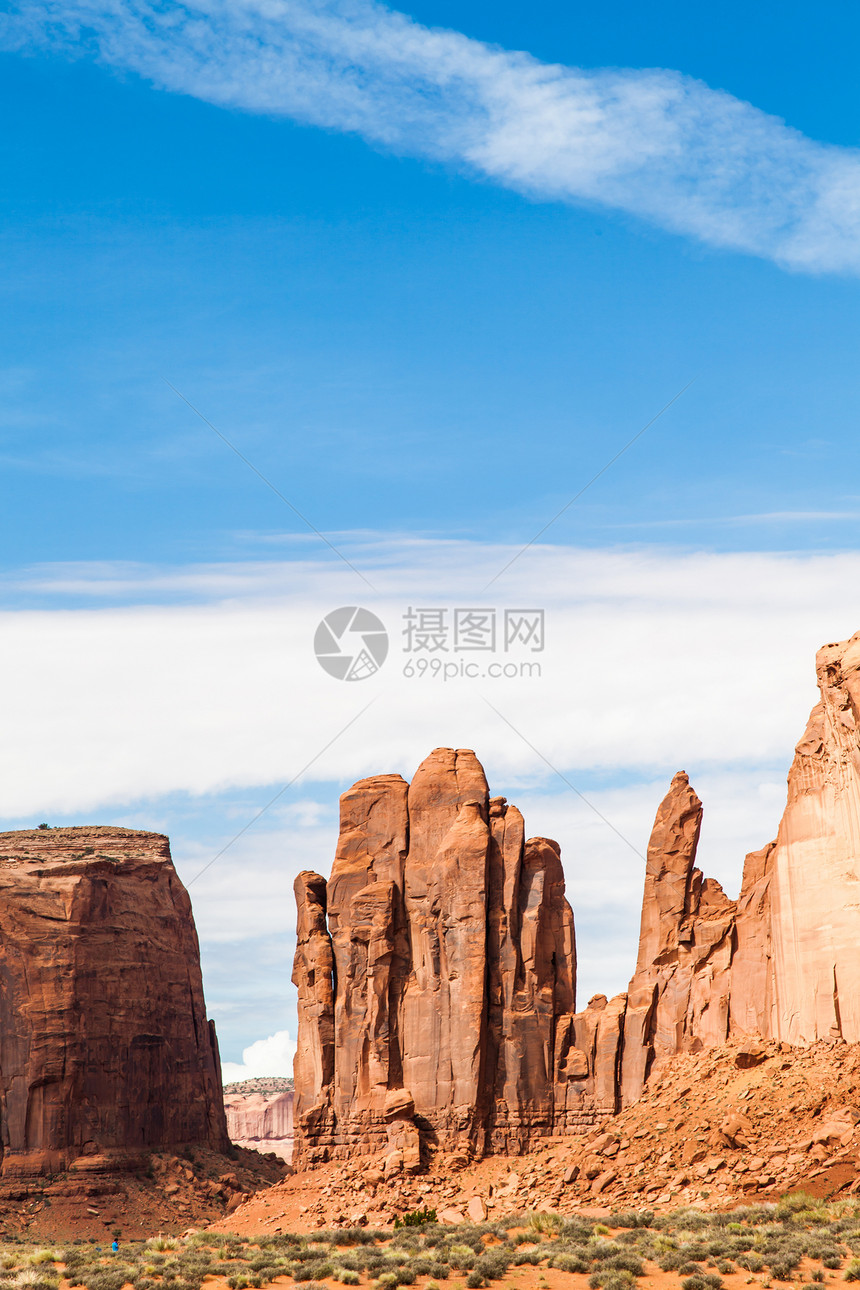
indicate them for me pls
(105, 1050)
(438, 967)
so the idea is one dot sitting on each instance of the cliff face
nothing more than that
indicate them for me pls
(437, 967)
(105, 1050)
(815, 866)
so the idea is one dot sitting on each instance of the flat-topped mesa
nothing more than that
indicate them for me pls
(436, 975)
(105, 1051)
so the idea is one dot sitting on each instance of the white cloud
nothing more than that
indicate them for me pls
(272, 1056)
(652, 142)
(652, 659)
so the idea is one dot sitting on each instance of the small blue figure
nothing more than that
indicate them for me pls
(115, 1246)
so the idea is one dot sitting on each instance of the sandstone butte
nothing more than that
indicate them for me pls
(436, 969)
(105, 1051)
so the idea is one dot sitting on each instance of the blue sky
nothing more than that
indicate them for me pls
(429, 286)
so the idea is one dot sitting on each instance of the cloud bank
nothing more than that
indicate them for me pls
(652, 660)
(272, 1056)
(654, 143)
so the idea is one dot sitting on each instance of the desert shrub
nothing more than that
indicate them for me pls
(726, 1267)
(416, 1218)
(494, 1264)
(346, 1276)
(461, 1257)
(852, 1272)
(474, 1280)
(311, 1270)
(625, 1262)
(702, 1281)
(101, 1278)
(795, 1204)
(440, 1271)
(831, 1260)
(545, 1222)
(576, 1229)
(571, 1263)
(386, 1280)
(31, 1279)
(633, 1218)
(609, 1279)
(782, 1271)
(750, 1261)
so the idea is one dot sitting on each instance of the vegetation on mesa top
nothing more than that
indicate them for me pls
(263, 1084)
(799, 1238)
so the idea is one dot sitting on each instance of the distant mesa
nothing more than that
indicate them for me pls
(436, 968)
(260, 1114)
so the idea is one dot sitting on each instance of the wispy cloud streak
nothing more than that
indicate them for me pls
(654, 143)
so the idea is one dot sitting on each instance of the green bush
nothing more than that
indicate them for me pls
(474, 1281)
(852, 1272)
(416, 1218)
(702, 1281)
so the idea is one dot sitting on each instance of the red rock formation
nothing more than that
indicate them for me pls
(105, 1051)
(678, 999)
(313, 1064)
(815, 866)
(455, 961)
(781, 962)
(453, 971)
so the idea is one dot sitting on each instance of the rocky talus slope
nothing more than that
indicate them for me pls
(105, 1052)
(718, 1128)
